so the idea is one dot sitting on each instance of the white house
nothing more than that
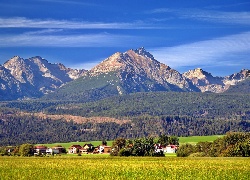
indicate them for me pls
(52, 151)
(74, 149)
(158, 148)
(170, 149)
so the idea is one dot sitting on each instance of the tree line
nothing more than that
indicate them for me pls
(146, 146)
(231, 145)
(234, 144)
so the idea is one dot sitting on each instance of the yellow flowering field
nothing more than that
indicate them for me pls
(106, 167)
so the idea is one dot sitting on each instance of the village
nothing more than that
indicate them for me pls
(89, 148)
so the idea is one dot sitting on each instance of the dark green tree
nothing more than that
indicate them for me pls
(143, 147)
(185, 150)
(26, 150)
(163, 140)
(174, 140)
(104, 142)
(117, 145)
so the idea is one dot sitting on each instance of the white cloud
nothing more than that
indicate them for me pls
(205, 53)
(242, 18)
(220, 17)
(22, 22)
(86, 40)
(44, 31)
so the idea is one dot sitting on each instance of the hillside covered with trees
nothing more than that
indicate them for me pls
(131, 116)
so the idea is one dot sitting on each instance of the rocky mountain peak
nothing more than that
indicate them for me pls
(35, 76)
(112, 63)
(19, 69)
(15, 61)
(204, 80)
(135, 66)
(237, 77)
(244, 73)
(142, 51)
(197, 73)
(62, 67)
(138, 59)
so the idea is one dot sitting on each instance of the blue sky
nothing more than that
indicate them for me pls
(184, 34)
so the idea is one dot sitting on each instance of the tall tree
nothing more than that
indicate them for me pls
(26, 150)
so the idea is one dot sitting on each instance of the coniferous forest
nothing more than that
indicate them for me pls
(136, 115)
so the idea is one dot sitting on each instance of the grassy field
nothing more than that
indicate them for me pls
(196, 139)
(182, 140)
(106, 167)
(67, 145)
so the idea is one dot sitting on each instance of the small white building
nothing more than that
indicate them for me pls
(158, 148)
(170, 149)
(102, 149)
(52, 151)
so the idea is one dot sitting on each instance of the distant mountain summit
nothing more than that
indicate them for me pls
(208, 83)
(33, 77)
(138, 71)
(205, 81)
(121, 73)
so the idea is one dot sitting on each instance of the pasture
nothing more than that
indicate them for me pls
(182, 140)
(68, 144)
(196, 139)
(106, 167)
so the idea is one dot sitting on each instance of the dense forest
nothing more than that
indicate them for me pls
(31, 129)
(196, 105)
(147, 114)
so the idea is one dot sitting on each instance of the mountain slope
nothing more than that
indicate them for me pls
(124, 73)
(208, 83)
(33, 77)
(10, 88)
(241, 87)
(134, 65)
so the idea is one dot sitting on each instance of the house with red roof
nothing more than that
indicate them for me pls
(74, 149)
(40, 149)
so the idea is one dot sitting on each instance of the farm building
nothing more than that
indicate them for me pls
(170, 149)
(86, 148)
(40, 149)
(74, 149)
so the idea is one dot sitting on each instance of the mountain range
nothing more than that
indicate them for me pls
(122, 73)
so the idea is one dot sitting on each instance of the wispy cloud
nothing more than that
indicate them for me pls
(44, 32)
(86, 40)
(214, 52)
(22, 22)
(206, 15)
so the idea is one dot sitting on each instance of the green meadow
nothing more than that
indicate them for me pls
(68, 144)
(182, 140)
(196, 139)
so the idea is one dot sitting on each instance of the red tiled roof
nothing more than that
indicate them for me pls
(40, 147)
(75, 146)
